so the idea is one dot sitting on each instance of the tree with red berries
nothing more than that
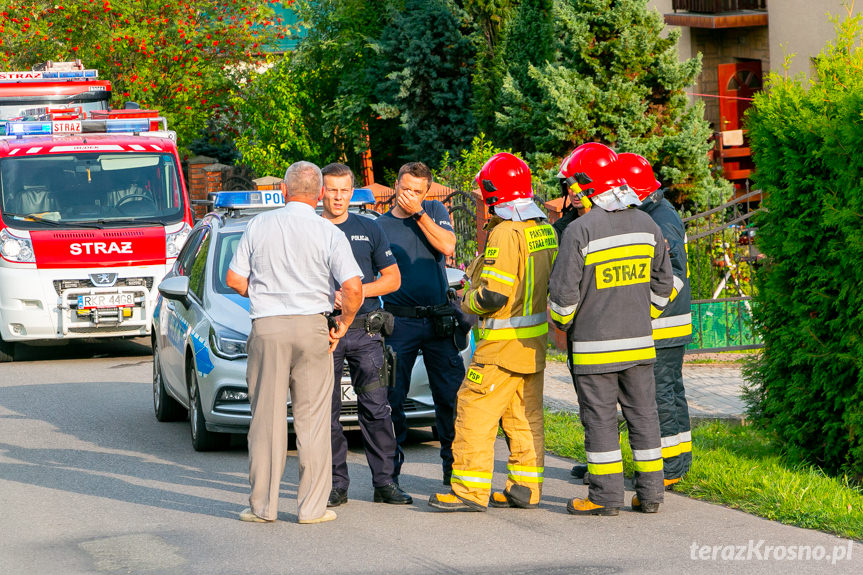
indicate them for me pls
(183, 58)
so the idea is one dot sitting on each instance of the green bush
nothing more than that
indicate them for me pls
(806, 139)
(458, 174)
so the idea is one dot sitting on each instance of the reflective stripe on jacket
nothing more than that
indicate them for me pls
(516, 265)
(673, 327)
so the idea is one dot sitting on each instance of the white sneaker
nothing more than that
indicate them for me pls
(247, 515)
(328, 516)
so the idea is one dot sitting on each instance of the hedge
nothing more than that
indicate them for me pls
(807, 143)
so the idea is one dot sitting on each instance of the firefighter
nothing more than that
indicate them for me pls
(672, 330)
(508, 293)
(613, 269)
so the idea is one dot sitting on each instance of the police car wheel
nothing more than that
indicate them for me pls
(202, 440)
(7, 351)
(166, 407)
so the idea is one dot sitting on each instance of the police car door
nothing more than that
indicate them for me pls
(191, 313)
(173, 319)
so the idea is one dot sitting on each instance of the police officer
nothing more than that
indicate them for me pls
(672, 330)
(508, 291)
(362, 346)
(613, 265)
(421, 236)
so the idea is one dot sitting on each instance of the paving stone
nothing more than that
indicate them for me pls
(712, 391)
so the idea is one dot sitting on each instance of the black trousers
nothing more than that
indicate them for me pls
(445, 369)
(365, 357)
(598, 396)
(673, 411)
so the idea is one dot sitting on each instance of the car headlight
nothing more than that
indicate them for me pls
(16, 249)
(227, 343)
(174, 242)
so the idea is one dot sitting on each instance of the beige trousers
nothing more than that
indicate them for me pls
(290, 353)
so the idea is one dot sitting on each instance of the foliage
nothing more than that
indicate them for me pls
(603, 70)
(274, 109)
(458, 174)
(425, 65)
(181, 58)
(489, 18)
(805, 136)
(334, 66)
(745, 468)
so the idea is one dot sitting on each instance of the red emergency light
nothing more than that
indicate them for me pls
(122, 114)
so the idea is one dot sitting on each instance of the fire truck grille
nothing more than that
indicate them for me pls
(60, 285)
(112, 327)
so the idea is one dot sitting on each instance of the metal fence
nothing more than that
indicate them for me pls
(462, 209)
(723, 262)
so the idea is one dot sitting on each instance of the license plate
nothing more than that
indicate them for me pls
(99, 300)
(348, 395)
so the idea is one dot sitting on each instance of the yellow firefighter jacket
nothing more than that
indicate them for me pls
(509, 293)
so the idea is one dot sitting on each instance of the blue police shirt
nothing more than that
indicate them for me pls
(371, 250)
(421, 265)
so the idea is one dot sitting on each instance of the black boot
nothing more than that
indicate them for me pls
(393, 494)
(338, 496)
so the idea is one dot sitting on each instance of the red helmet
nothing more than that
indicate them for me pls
(638, 174)
(593, 167)
(504, 178)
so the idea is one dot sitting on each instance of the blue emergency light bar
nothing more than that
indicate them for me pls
(248, 199)
(362, 196)
(29, 128)
(43, 128)
(72, 74)
(29, 75)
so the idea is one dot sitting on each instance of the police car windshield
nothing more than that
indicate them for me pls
(226, 245)
(75, 189)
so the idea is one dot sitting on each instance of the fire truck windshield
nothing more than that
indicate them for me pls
(71, 190)
(19, 109)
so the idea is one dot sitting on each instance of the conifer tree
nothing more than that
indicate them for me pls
(603, 70)
(426, 63)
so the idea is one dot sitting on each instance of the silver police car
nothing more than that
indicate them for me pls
(200, 327)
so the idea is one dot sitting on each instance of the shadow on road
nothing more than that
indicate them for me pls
(84, 349)
(100, 438)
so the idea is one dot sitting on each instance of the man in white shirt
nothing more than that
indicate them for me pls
(286, 263)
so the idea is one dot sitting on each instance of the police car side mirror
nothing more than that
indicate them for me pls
(176, 287)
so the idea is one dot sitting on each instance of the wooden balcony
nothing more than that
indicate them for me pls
(718, 6)
(715, 14)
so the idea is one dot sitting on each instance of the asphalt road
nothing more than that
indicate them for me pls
(91, 483)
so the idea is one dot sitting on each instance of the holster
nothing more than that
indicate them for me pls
(388, 369)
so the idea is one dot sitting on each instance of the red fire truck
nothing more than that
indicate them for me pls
(27, 93)
(93, 211)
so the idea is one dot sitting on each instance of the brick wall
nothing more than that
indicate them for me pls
(726, 46)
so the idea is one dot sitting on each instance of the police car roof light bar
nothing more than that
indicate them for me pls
(362, 196)
(237, 200)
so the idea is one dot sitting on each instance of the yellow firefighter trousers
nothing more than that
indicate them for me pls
(490, 395)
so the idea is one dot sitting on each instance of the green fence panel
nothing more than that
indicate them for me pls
(722, 324)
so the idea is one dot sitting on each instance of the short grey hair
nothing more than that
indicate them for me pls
(303, 179)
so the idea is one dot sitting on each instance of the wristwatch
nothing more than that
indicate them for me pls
(416, 216)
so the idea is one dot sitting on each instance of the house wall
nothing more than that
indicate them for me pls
(801, 28)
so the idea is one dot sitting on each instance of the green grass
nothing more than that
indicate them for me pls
(554, 354)
(744, 468)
